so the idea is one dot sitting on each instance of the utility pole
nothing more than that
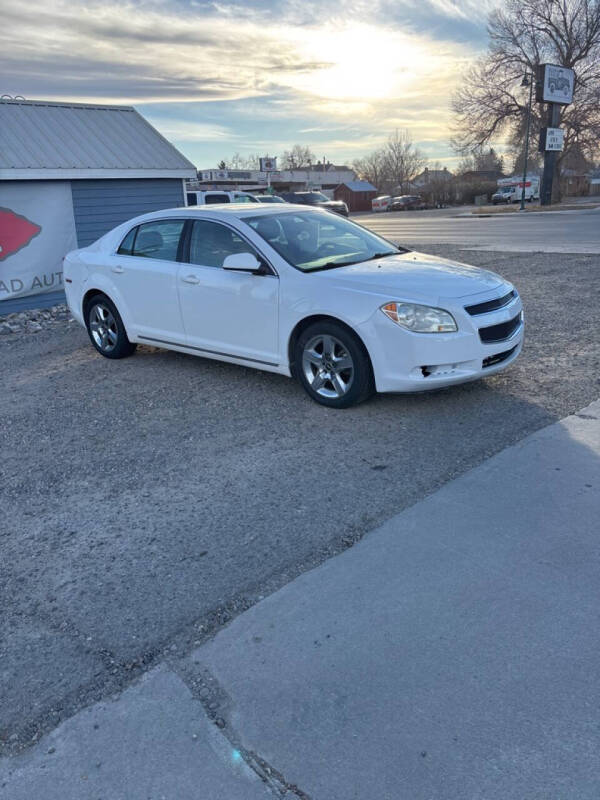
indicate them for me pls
(550, 158)
(527, 81)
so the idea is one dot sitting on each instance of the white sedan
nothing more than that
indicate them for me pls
(297, 291)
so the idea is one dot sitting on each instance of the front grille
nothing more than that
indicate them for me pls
(491, 305)
(500, 332)
(498, 358)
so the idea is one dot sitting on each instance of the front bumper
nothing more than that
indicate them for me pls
(414, 362)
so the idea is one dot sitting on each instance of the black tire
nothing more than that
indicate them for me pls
(358, 377)
(105, 328)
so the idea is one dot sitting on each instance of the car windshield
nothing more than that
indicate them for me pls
(314, 197)
(506, 190)
(315, 240)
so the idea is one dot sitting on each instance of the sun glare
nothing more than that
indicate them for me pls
(360, 62)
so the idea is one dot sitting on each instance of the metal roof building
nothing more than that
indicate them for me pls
(69, 172)
(356, 194)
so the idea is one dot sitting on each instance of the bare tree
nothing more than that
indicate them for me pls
(371, 168)
(402, 161)
(238, 161)
(393, 166)
(299, 157)
(481, 159)
(491, 103)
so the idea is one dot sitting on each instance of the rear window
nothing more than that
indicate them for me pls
(212, 199)
(126, 248)
(316, 197)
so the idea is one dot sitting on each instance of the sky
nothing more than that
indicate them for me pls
(218, 77)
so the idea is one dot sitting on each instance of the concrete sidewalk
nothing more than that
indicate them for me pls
(451, 654)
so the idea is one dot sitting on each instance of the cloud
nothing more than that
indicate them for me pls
(252, 72)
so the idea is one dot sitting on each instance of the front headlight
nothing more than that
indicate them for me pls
(420, 319)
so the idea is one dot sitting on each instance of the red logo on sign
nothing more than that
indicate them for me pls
(15, 232)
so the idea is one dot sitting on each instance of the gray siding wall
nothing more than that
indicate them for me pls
(99, 205)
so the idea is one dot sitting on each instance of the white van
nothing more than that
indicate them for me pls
(214, 196)
(510, 190)
(381, 203)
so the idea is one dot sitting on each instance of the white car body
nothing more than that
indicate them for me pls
(250, 319)
(217, 197)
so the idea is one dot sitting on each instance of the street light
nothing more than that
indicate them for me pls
(527, 81)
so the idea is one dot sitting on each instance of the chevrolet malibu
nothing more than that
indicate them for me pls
(296, 291)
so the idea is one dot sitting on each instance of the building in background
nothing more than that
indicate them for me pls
(69, 172)
(594, 181)
(322, 177)
(432, 176)
(356, 194)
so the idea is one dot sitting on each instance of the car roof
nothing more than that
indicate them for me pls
(216, 212)
(242, 210)
(225, 210)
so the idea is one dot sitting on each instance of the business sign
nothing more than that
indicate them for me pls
(555, 84)
(268, 164)
(551, 139)
(37, 229)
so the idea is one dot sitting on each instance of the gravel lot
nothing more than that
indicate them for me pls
(146, 502)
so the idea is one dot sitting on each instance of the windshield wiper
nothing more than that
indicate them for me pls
(382, 255)
(333, 265)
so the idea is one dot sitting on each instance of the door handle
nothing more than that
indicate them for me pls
(191, 279)
(119, 270)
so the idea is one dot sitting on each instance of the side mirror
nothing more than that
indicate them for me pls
(243, 262)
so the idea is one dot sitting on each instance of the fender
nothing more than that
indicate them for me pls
(100, 283)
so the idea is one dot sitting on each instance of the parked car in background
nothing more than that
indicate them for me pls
(215, 196)
(269, 198)
(407, 202)
(316, 199)
(296, 291)
(381, 203)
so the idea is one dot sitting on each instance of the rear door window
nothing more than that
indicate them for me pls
(158, 239)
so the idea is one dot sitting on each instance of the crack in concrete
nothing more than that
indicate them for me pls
(217, 705)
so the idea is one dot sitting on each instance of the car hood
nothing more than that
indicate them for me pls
(331, 204)
(416, 276)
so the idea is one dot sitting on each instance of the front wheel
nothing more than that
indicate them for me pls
(333, 365)
(105, 328)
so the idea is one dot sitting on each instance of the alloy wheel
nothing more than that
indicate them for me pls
(327, 366)
(103, 327)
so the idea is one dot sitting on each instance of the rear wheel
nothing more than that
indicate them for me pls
(105, 328)
(333, 366)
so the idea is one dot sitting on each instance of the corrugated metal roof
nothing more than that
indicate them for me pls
(40, 136)
(360, 186)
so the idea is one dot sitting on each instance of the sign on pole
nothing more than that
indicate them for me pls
(555, 84)
(551, 139)
(268, 164)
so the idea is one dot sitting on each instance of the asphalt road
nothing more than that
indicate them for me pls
(545, 232)
(145, 502)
